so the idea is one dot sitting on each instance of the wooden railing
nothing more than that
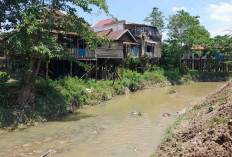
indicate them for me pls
(100, 53)
(81, 53)
(110, 52)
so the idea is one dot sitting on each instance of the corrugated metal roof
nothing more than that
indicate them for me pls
(104, 22)
(105, 32)
(117, 34)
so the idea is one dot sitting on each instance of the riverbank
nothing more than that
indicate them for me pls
(112, 126)
(57, 98)
(204, 130)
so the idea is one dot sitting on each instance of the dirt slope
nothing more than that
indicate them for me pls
(205, 131)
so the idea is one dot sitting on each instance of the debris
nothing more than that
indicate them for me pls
(167, 115)
(48, 152)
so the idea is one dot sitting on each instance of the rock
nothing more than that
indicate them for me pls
(94, 132)
(167, 115)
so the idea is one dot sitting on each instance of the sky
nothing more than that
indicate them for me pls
(215, 15)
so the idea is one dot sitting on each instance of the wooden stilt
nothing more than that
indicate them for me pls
(96, 70)
(71, 67)
(46, 71)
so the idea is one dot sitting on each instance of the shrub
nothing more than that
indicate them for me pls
(217, 120)
(210, 109)
(135, 82)
(4, 77)
(154, 77)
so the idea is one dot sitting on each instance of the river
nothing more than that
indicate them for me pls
(108, 129)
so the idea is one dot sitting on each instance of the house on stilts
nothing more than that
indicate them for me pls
(126, 37)
(147, 37)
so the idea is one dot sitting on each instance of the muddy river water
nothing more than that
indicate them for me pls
(109, 129)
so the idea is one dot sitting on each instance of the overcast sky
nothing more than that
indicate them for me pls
(215, 15)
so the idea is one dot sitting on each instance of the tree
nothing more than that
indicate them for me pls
(223, 46)
(156, 19)
(184, 31)
(28, 25)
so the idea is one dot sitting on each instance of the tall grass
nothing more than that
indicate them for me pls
(55, 98)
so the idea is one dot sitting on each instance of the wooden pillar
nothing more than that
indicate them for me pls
(192, 64)
(96, 70)
(46, 70)
(123, 66)
(71, 67)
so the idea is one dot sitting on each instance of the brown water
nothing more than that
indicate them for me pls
(110, 129)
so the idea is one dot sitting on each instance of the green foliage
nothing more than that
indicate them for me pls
(4, 77)
(168, 135)
(156, 19)
(49, 101)
(208, 76)
(218, 120)
(32, 40)
(173, 76)
(172, 91)
(184, 31)
(210, 109)
(6, 117)
(223, 97)
(223, 46)
(135, 82)
(156, 76)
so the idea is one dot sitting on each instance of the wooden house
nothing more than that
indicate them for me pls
(148, 38)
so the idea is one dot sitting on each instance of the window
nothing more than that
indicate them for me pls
(1, 52)
(150, 48)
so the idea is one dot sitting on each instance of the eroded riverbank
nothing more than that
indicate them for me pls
(205, 130)
(108, 129)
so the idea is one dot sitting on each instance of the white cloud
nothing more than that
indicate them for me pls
(175, 9)
(215, 32)
(221, 11)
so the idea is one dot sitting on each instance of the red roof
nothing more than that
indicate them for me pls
(104, 22)
(197, 47)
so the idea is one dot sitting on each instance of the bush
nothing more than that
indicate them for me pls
(4, 77)
(155, 76)
(173, 76)
(135, 82)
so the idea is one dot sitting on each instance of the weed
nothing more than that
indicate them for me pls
(210, 109)
(223, 97)
(172, 91)
(218, 120)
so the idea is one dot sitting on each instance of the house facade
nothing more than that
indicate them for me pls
(148, 38)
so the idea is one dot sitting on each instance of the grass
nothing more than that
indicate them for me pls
(210, 109)
(172, 91)
(168, 134)
(56, 98)
(223, 97)
(218, 120)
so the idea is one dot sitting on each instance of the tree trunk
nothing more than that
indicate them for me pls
(26, 95)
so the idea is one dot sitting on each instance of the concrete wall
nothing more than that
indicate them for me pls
(114, 27)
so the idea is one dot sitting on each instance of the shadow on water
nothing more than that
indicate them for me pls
(76, 116)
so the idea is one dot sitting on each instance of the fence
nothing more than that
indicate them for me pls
(207, 65)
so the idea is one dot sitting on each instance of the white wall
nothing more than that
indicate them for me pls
(114, 27)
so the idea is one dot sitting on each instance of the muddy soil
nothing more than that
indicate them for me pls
(205, 131)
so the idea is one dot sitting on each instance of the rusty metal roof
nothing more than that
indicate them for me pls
(104, 33)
